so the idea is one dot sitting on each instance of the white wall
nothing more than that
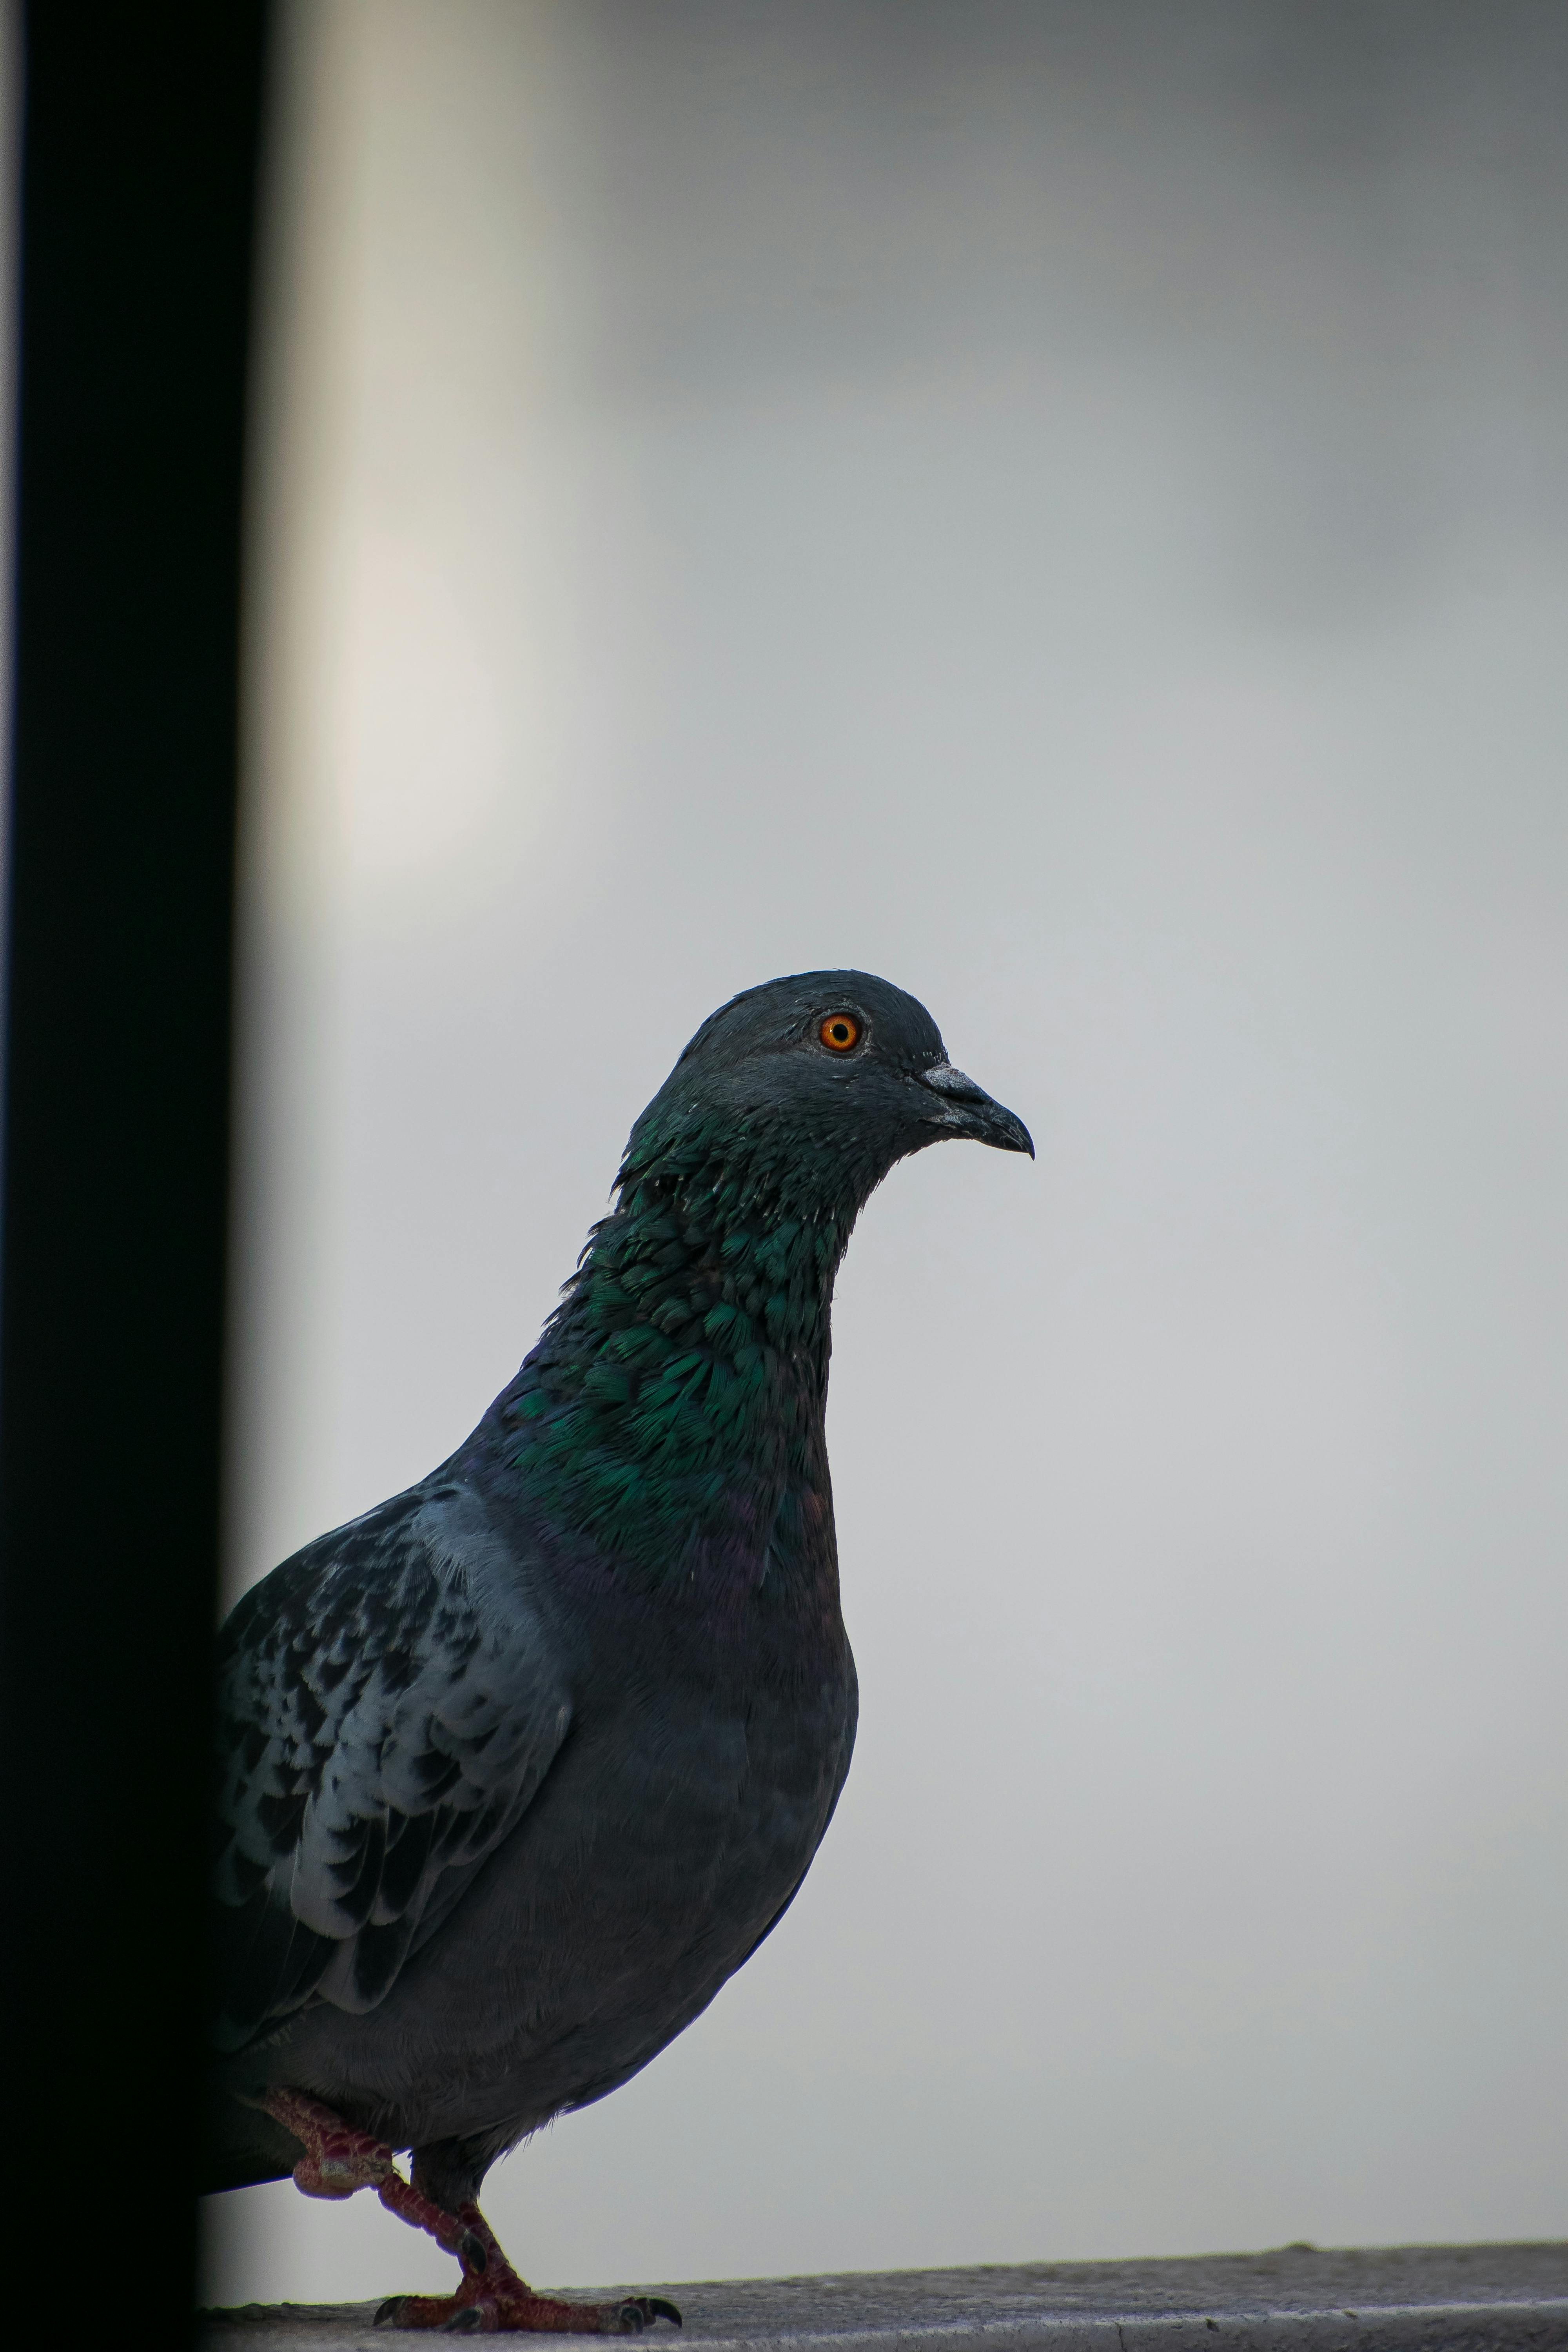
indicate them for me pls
(1064, 505)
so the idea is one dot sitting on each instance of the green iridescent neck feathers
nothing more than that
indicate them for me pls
(674, 1405)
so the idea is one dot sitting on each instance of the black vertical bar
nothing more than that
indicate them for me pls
(139, 139)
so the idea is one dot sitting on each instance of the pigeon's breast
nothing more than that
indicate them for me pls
(676, 1824)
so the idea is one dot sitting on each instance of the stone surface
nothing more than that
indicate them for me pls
(1298, 2298)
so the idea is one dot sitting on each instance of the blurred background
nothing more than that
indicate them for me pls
(1063, 503)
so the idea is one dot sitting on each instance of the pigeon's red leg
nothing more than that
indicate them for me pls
(338, 2160)
(492, 2299)
(495, 2302)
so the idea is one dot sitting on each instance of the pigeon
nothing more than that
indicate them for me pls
(516, 1770)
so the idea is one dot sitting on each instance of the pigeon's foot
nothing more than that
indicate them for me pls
(493, 2301)
(338, 2160)
(476, 2310)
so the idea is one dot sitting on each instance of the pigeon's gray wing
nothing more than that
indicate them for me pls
(388, 1705)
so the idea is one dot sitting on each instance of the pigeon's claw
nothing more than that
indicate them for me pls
(640, 2311)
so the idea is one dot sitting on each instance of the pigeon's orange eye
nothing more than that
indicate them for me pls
(839, 1031)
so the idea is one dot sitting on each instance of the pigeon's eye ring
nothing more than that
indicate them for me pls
(840, 1033)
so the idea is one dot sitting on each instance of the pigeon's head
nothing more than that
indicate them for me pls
(814, 1087)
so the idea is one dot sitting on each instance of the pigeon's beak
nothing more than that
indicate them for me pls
(964, 1108)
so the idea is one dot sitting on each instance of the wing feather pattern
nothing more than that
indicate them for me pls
(387, 1708)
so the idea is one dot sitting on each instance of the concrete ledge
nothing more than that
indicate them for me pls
(1297, 2299)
